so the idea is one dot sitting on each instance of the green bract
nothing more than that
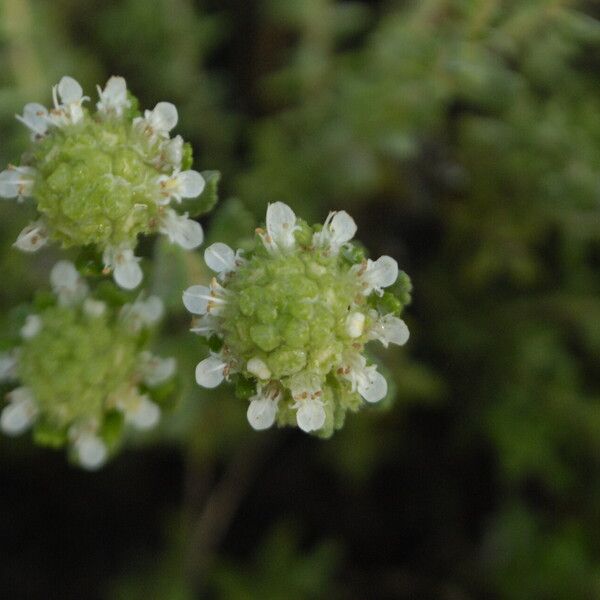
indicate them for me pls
(290, 321)
(101, 178)
(83, 371)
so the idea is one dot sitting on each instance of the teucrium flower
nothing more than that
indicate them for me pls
(82, 370)
(288, 322)
(101, 178)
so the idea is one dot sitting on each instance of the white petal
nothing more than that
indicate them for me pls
(150, 310)
(69, 90)
(156, 370)
(182, 231)
(94, 308)
(20, 413)
(383, 272)
(355, 324)
(8, 367)
(395, 330)
(196, 298)
(35, 117)
(33, 325)
(17, 182)
(374, 388)
(342, 227)
(33, 237)
(163, 118)
(91, 451)
(220, 258)
(258, 368)
(113, 99)
(145, 416)
(190, 184)
(64, 274)
(261, 412)
(206, 325)
(210, 372)
(310, 415)
(173, 151)
(127, 272)
(281, 224)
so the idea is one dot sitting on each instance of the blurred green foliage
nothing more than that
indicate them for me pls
(464, 137)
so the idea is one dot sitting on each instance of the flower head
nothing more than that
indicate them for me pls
(103, 177)
(82, 372)
(290, 319)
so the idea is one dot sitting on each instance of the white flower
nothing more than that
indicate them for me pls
(8, 367)
(19, 413)
(67, 284)
(211, 371)
(310, 414)
(94, 308)
(281, 225)
(182, 184)
(206, 325)
(145, 414)
(68, 111)
(370, 384)
(17, 182)
(33, 237)
(339, 228)
(142, 313)
(113, 98)
(127, 273)
(389, 330)
(262, 409)
(159, 121)
(172, 151)
(33, 325)
(156, 370)
(376, 275)
(180, 230)
(355, 324)
(222, 259)
(199, 299)
(35, 118)
(91, 451)
(258, 368)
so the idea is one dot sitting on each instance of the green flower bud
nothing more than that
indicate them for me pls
(101, 178)
(294, 315)
(83, 371)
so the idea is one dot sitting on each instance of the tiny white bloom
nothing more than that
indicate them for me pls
(196, 299)
(355, 324)
(33, 237)
(159, 121)
(389, 330)
(33, 325)
(35, 118)
(262, 409)
(156, 370)
(17, 182)
(310, 414)
(281, 225)
(94, 308)
(142, 313)
(221, 259)
(19, 413)
(68, 111)
(91, 451)
(376, 275)
(145, 414)
(181, 230)
(113, 98)
(365, 380)
(339, 228)
(8, 367)
(127, 273)
(182, 184)
(172, 151)
(210, 372)
(259, 368)
(206, 325)
(67, 284)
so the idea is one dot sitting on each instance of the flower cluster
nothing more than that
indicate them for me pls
(103, 177)
(83, 370)
(290, 319)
